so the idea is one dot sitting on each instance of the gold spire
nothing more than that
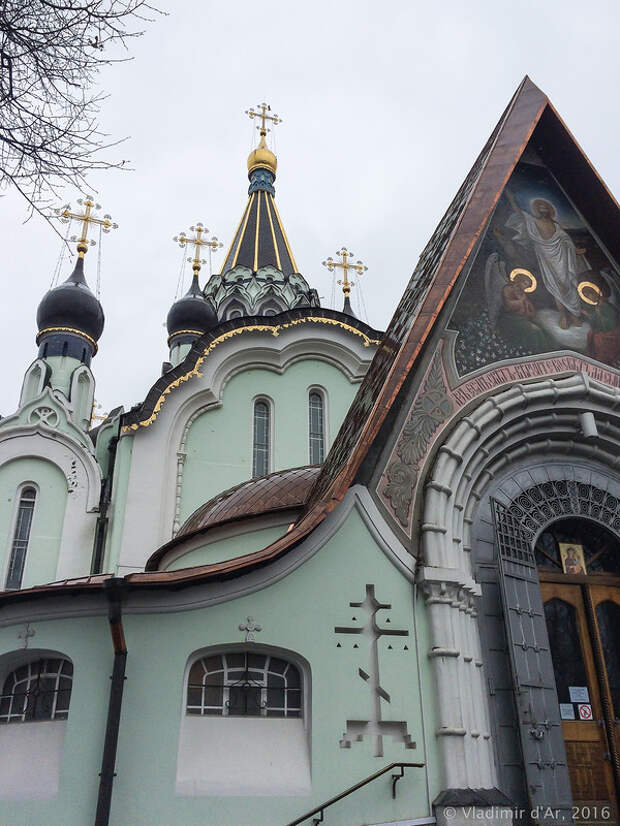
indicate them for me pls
(345, 265)
(86, 218)
(262, 156)
(198, 241)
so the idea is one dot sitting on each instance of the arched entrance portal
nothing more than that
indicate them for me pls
(578, 564)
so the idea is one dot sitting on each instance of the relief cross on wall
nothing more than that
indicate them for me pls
(377, 728)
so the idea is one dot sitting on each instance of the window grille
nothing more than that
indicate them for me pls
(39, 690)
(261, 441)
(316, 427)
(244, 684)
(21, 537)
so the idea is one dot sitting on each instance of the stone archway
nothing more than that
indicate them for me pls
(519, 427)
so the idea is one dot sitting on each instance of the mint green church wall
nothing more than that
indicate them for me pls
(48, 517)
(86, 642)
(120, 490)
(227, 548)
(219, 443)
(298, 614)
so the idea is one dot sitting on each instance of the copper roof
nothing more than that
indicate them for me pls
(278, 491)
(282, 490)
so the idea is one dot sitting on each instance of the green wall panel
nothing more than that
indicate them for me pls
(219, 443)
(48, 517)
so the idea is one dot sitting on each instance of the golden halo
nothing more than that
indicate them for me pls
(581, 287)
(520, 271)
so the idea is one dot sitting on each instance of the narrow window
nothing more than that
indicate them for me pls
(21, 538)
(316, 429)
(261, 446)
(39, 690)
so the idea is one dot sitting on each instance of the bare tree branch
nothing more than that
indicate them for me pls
(51, 52)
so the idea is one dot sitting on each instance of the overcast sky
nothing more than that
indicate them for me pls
(385, 107)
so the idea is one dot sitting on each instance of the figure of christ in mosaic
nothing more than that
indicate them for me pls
(556, 254)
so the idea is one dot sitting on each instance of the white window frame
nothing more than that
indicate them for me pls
(13, 716)
(302, 665)
(19, 491)
(271, 431)
(314, 388)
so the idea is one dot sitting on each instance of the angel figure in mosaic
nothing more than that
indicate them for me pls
(511, 311)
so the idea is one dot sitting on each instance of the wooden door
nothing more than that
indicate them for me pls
(581, 708)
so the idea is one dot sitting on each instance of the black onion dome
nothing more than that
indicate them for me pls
(191, 315)
(71, 307)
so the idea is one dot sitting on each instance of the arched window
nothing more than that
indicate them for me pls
(244, 684)
(261, 442)
(244, 727)
(21, 537)
(39, 690)
(316, 427)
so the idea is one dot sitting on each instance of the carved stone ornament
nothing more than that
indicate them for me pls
(43, 415)
(72, 477)
(26, 634)
(250, 627)
(431, 408)
(376, 727)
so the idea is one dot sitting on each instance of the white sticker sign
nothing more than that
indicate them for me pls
(578, 694)
(567, 712)
(585, 711)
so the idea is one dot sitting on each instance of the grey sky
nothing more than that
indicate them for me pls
(385, 107)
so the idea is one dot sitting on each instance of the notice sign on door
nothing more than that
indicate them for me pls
(585, 711)
(578, 694)
(567, 712)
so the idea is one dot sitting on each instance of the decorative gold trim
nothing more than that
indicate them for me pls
(67, 330)
(275, 208)
(520, 271)
(255, 267)
(254, 328)
(185, 333)
(273, 235)
(581, 287)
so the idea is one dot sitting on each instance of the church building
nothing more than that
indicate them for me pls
(324, 573)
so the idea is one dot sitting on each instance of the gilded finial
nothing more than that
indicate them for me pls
(198, 242)
(95, 416)
(262, 156)
(87, 218)
(264, 117)
(345, 265)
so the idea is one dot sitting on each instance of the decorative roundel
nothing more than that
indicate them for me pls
(43, 415)
(520, 271)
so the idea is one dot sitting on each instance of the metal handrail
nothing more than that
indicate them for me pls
(395, 778)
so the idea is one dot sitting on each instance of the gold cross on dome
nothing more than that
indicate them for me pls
(345, 265)
(87, 218)
(264, 117)
(198, 241)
